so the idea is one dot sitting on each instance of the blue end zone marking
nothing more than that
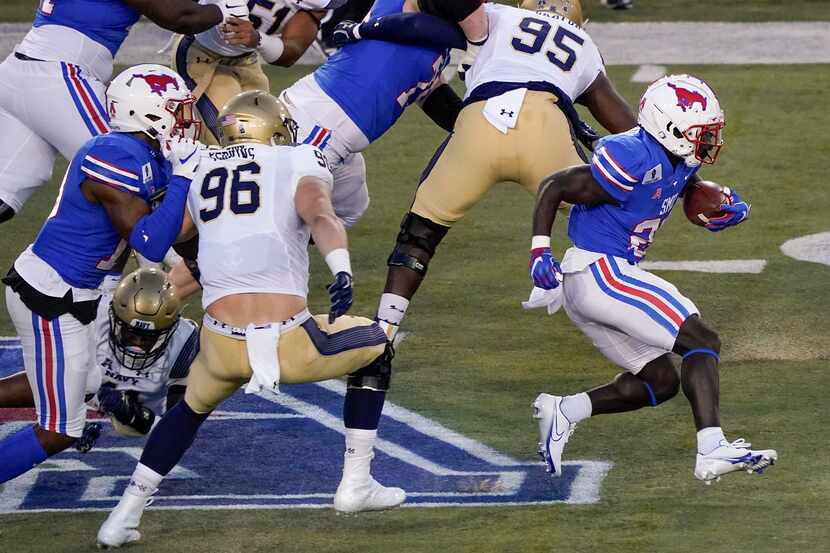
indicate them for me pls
(297, 438)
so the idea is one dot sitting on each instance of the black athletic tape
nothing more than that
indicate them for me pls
(400, 259)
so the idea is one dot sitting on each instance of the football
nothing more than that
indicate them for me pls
(702, 201)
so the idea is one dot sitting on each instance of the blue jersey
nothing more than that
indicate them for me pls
(638, 173)
(78, 239)
(107, 22)
(374, 81)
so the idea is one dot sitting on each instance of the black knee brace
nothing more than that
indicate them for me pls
(6, 212)
(451, 10)
(376, 375)
(416, 233)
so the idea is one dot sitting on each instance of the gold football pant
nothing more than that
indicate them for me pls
(214, 79)
(476, 156)
(308, 352)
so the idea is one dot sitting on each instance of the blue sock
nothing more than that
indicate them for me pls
(19, 453)
(362, 408)
(172, 436)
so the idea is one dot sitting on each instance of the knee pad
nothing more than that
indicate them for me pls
(455, 10)
(6, 212)
(416, 233)
(376, 375)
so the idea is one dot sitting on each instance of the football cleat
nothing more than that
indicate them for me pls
(731, 457)
(121, 526)
(554, 431)
(368, 495)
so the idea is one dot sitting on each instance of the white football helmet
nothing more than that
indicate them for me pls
(683, 114)
(152, 99)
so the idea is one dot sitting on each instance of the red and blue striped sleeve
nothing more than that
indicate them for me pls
(114, 167)
(617, 165)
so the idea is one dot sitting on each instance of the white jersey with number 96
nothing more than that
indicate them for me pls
(251, 238)
(526, 46)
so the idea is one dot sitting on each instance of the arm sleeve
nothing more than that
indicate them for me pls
(617, 165)
(309, 161)
(443, 106)
(417, 29)
(181, 365)
(114, 167)
(153, 234)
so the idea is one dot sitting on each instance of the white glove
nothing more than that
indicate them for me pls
(183, 155)
(468, 58)
(233, 8)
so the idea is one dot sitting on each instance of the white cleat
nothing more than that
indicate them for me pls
(732, 457)
(554, 431)
(367, 495)
(121, 526)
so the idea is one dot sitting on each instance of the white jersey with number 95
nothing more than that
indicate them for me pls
(251, 238)
(526, 46)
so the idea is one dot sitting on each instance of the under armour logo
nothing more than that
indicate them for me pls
(507, 113)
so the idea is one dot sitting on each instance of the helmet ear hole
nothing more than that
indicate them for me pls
(676, 132)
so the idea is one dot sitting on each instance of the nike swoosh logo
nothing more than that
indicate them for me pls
(184, 160)
(145, 238)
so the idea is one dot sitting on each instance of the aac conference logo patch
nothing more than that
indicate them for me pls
(287, 452)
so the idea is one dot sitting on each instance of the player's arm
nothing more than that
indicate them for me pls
(187, 16)
(608, 106)
(185, 278)
(443, 105)
(416, 29)
(575, 185)
(312, 201)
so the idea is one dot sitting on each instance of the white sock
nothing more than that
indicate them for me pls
(359, 452)
(144, 482)
(709, 439)
(391, 311)
(576, 407)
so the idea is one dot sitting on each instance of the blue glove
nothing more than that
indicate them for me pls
(125, 408)
(734, 212)
(340, 292)
(345, 33)
(544, 269)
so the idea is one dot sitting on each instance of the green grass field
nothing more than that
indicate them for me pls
(644, 10)
(475, 360)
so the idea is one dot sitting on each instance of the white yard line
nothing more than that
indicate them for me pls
(745, 266)
(621, 43)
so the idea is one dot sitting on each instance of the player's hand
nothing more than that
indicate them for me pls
(734, 212)
(90, 435)
(341, 293)
(184, 156)
(233, 8)
(544, 269)
(345, 32)
(467, 59)
(586, 134)
(113, 402)
(240, 32)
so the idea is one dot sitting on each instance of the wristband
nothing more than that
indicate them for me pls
(338, 261)
(356, 31)
(271, 48)
(539, 241)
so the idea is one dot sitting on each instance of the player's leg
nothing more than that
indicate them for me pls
(219, 370)
(15, 392)
(56, 355)
(318, 350)
(350, 195)
(461, 172)
(700, 346)
(198, 68)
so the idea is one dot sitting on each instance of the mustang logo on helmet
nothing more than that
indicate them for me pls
(158, 83)
(686, 99)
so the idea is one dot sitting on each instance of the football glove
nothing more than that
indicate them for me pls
(340, 292)
(90, 435)
(586, 134)
(469, 57)
(183, 155)
(345, 32)
(544, 269)
(233, 8)
(734, 212)
(125, 408)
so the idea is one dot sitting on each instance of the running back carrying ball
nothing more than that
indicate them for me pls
(702, 202)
